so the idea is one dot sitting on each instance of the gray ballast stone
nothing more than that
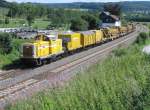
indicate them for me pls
(146, 49)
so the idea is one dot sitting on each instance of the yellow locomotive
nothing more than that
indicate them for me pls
(45, 47)
(41, 49)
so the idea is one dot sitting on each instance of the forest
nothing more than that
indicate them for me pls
(62, 15)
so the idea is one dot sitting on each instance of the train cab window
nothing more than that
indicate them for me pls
(38, 37)
(45, 38)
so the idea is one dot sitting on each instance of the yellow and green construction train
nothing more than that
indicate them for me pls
(44, 48)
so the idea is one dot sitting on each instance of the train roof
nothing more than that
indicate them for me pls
(67, 32)
(86, 32)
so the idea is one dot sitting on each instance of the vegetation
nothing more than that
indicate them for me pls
(9, 49)
(138, 17)
(16, 23)
(93, 22)
(61, 15)
(79, 25)
(121, 82)
(127, 6)
(25, 14)
(5, 43)
(141, 39)
(30, 19)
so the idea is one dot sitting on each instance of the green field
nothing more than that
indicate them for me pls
(18, 22)
(121, 82)
(15, 23)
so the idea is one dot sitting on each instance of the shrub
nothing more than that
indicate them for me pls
(5, 43)
(93, 22)
(79, 25)
(119, 52)
(1, 21)
(142, 37)
(6, 20)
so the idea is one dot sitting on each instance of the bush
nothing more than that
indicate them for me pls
(7, 61)
(14, 35)
(1, 21)
(6, 20)
(79, 25)
(5, 43)
(141, 39)
(119, 52)
(93, 22)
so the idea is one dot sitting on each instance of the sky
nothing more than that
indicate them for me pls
(68, 1)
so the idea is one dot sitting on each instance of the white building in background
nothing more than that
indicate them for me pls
(109, 20)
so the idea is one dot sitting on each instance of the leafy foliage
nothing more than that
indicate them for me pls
(6, 20)
(5, 43)
(24, 9)
(12, 58)
(138, 18)
(30, 19)
(79, 25)
(141, 39)
(93, 22)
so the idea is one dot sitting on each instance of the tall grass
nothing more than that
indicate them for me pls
(121, 82)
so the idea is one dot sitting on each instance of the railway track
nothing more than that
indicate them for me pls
(9, 74)
(15, 85)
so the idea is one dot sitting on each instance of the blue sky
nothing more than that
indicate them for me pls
(68, 1)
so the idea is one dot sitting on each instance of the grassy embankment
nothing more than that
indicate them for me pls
(121, 82)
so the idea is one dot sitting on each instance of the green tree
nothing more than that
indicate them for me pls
(1, 21)
(92, 21)
(6, 20)
(79, 25)
(5, 43)
(30, 19)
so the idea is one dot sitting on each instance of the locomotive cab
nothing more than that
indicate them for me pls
(43, 48)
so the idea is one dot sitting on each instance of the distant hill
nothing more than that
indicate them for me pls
(4, 4)
(75, 5)
(136, 6)
(126, 6)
